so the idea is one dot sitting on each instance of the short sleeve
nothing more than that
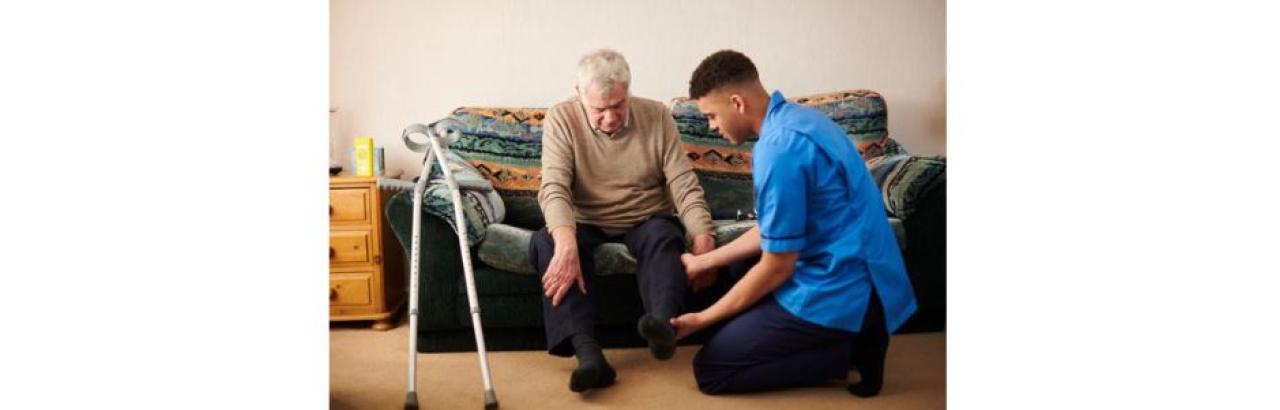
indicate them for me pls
(782, 182)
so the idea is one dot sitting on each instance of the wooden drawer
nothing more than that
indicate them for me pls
(350, 206)
(349, 247)
(364, 282)
(350, 289)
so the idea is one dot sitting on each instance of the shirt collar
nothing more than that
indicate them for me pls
(775, 104)
(775, 100)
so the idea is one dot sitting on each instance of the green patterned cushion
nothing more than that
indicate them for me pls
(506, 247)
(862, 115)
(728, 230)
(905, 179)
(481, 205)
(723, 169)
(505, 145)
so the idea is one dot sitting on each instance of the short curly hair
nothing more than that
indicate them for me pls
(722, 68)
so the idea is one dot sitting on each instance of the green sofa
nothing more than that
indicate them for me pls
(503, 145)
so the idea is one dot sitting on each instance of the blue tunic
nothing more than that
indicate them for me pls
(814, 196)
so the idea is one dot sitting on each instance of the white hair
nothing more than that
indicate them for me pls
(604, 67)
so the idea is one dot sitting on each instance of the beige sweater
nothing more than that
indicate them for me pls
(616, 182)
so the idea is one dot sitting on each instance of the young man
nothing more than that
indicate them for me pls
(830, 284)
(613, 171)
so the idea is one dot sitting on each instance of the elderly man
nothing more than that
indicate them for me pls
(613, 170)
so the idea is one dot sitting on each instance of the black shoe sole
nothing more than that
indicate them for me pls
(584, 379)
(864, 389)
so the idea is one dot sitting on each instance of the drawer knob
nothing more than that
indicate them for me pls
(330, 210)
(332, 253)
(333, 294)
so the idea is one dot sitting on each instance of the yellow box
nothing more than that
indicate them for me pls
(364, 156)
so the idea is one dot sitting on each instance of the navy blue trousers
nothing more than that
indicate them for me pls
(656, 244)
(766, 348)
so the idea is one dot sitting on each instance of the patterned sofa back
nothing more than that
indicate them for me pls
(505, 144)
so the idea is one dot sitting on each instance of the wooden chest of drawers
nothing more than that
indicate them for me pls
(367, 277)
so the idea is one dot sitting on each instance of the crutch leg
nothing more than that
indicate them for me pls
(411, 398)
(490, 398)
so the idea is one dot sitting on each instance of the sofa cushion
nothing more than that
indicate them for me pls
(723, 169)
(506, 247)
(505, 145)
(482, 204)
(905, 179)
(863, 116)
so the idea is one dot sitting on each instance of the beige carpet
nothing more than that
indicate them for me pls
(368, 370)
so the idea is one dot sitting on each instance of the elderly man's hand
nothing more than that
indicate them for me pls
(703, 243)
(562, 273)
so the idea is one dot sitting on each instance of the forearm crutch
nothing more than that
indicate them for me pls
(440, 135)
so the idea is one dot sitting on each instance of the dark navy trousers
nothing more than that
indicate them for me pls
(656, 244)
(766, 347)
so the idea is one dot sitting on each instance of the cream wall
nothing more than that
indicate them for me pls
(396, 62)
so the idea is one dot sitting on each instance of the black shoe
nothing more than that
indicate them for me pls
(660, 334)
(865, 388)
(871, 372)
(591, 377)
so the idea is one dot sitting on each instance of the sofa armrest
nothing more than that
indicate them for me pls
(439, 267)
(900, 232)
